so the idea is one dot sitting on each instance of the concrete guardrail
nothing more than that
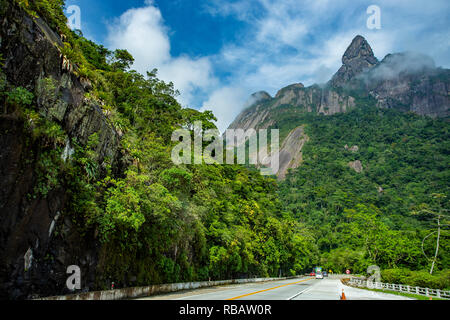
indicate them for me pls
(137, 292)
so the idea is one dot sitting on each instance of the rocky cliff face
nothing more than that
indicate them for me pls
(358, 58)
(295, 97)
(32, 60)
(291, 155)
(407, 81)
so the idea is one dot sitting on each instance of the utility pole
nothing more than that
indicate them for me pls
(439, 214)
(437, 243)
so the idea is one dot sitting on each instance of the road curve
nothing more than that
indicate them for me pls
(306, 288)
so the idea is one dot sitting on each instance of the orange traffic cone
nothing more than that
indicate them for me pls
(431, 298)
(343, 297)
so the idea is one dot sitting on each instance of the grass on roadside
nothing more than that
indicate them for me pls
(409, 295)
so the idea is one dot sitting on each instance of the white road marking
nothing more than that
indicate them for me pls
(303, 291)
(216, 289)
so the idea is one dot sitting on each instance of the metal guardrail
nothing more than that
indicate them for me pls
(443, 294)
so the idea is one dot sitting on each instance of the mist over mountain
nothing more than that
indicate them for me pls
(398, 65)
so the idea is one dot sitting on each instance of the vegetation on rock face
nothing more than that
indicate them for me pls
(162, 223)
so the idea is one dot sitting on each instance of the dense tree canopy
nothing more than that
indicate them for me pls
(368, 218)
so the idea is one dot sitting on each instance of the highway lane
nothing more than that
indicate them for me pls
(305, 288)
(271, 290)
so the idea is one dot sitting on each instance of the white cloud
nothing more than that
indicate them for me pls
(188, 75)
(225, 103)
(291, 41)
(242, 10)
(285, 42)
(143, 33)
(281, 31)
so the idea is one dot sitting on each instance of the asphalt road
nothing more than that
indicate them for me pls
(306, 288)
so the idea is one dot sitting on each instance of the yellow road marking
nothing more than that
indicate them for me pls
(284, 285)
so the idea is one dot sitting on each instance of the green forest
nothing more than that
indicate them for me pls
(381, 215)
(157, 222)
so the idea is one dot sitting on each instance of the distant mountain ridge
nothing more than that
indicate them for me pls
(408, 82)
(405, 81)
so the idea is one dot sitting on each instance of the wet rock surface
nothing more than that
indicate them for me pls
(35, 253)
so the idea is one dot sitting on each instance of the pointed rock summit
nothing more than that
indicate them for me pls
(357, 58)
(359, 51)
(260, 96)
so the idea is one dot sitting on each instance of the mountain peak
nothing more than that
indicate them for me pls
(357, 58)
(359, 49)
(258, 97)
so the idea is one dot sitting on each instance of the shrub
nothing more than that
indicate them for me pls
(421, 278)
(19, 97)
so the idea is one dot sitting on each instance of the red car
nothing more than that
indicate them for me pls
(312, 274)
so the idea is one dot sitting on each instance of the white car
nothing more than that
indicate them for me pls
(319, 275)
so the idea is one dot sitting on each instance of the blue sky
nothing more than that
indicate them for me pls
(218, 52)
